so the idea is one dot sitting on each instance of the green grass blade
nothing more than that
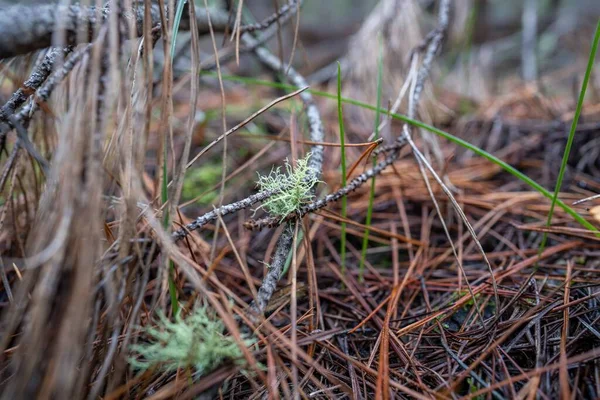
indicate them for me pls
(165, 181)
(164, 198)
(482, 153)
(563, 165)
(288, 260)
(343, 156)
(343, 162)
(176, 23)
(365, 243)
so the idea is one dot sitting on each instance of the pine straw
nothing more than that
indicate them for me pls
(428, 340)
(411, 328)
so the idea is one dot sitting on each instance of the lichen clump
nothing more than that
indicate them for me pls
(296, 182)
(196, 342)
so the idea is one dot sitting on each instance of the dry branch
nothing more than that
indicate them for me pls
(35, 80)
(38, 76)
(280, 16)
(24, 29)
(43, 93)
(223, 210)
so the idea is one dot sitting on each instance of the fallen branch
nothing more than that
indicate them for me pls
(227, 54)
(24, 29)
(282, 15)
(223, 210)
(22, 118)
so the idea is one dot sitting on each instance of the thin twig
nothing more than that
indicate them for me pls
(224, 210)
(227, 54)
(244, 123)
(280, 15)
(39, 74)
(43, 93)
(23, 140)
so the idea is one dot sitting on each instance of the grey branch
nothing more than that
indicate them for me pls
(285, 13)
(433, 42)
(23, 140)
(36, 79)
(44, 92)
(312, 112)
(269, 283)
(282, 14)
(38, 76)
(24, 29)
(223, 210)
(354, 184)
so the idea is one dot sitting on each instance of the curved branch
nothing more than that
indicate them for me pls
(269, 283)
(38, 76)
(268, 31)
(314, 117)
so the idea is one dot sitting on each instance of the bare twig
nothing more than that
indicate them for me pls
(224, 210)
(227, 54)
(39, 74)
(22, 118)
(269, 283)
(281, 14)
(43, 93)
(26, 143)
(244, 123)
(433, 42)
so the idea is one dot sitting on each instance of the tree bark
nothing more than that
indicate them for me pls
(24, 29)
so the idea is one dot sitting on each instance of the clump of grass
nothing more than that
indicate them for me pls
(196, 342)
(296, 182)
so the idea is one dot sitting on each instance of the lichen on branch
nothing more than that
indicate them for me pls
(297, 181)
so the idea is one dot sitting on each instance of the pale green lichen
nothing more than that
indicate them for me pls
(196, 342)
(297, 183)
